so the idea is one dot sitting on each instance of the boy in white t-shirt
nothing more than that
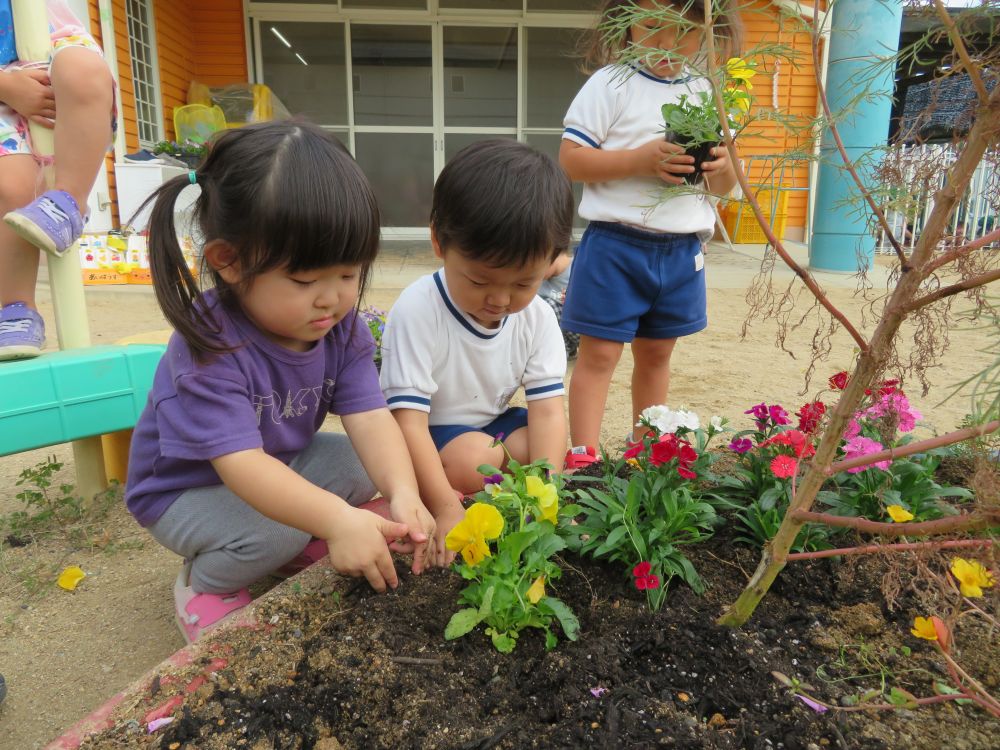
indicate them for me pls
(459, 343)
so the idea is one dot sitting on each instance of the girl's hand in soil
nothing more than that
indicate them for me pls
(359, 546)
(29, 93)
(407, 508)
(663, 159)
(447, 519)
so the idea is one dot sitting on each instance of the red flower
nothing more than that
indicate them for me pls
(634, 450)
(653, 582)
(784, 467)
(810, 416)
(793, 439)
(839, 381)
(670, 447)
(642, 569)
(886, 388)
(643, 580)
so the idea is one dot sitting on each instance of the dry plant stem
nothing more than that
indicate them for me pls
(876, 548)
(963, 53)
(848, 164)
(959, 252)
(972, 282)
(890, 454)
(748, 195)
(963, 522)
(964, 681)
(870, 362)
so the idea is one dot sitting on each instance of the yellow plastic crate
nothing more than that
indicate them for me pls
(749, 232)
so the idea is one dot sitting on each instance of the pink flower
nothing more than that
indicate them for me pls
(853, 428)
(783, 466)
(862, 446)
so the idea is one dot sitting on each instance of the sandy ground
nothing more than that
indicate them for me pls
(64, 654)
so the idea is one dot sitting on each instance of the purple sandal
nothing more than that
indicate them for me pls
(51, 222)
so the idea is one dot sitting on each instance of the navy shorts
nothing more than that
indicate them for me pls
(627, 283)
(513, 419)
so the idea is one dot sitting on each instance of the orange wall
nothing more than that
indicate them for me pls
(796, 96)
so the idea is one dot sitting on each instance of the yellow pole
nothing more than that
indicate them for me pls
(31, 30)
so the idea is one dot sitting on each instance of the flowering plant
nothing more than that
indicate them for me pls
(506, 542)
(885, 419)
(693, 121)
(644, 519)
(375, 320)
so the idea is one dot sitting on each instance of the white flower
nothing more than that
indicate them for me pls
(716, 422)
(667, 421)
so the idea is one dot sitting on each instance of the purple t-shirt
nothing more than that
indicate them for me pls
(261, 395)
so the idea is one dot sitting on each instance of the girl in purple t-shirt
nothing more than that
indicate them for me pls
(228, 467)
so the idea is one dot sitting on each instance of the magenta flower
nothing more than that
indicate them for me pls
(760, 414)
(778, 414)
(862, 446)
(741, 445)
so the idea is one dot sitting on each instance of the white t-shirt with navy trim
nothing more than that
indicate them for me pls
(437, 359)
(619, 108)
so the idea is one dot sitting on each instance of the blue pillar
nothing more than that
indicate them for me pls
(862, 31)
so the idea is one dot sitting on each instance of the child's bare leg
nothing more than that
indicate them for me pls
(650, 374)
(588, 388)
(82, 85)
(517, 446)
(18, 258)
(461, 457)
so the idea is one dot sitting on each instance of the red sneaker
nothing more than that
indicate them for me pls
(580, 456)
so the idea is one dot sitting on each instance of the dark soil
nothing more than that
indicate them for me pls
(339, 666)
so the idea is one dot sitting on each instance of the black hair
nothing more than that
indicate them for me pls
(603, 45)
(282, 194)
(503, 203)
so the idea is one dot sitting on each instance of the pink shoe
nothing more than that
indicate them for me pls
(198, 613)
(315, 551)
(580, 456)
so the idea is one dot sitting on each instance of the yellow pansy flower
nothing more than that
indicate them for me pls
(481, 522)
(923, 627)
(546, 495)
(537, 590)
(899, 514)
(972, 576)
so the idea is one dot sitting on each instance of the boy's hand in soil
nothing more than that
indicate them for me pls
(359, 546)
(406, 508)
(447, 519)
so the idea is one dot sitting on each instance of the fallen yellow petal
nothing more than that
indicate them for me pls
(899, 514)
(537, 590)
(923, 627)
(70, 577)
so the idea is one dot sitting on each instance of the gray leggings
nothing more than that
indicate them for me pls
(231, 545)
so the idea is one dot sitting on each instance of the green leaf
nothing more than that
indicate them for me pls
(902, 698)
(502, 642)
(567, 620)
(461, 623)
(487, 471)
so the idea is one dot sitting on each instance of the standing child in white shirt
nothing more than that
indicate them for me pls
(638, 274)
(459, 343)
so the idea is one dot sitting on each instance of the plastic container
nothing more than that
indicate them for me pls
(741, 224)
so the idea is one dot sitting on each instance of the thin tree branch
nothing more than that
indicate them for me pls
(890, 454)
(872, 549)
(947, 291)
(958, 252)
(749, 196)
(962, 522)
(963, 52)
(848, 164)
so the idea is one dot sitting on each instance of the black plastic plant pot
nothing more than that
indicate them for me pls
(701, 152)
